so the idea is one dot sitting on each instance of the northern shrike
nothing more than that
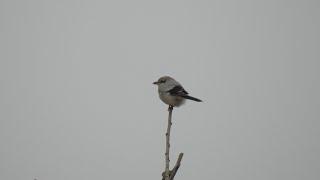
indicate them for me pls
(171, 92)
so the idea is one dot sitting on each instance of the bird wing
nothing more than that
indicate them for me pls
(178, 91)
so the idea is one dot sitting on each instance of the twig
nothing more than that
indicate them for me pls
(176, 167)
(167, 170)
(167, 174)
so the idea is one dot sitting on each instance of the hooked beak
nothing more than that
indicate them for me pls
(156, 83)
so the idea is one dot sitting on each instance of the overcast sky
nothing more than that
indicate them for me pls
(77, 100)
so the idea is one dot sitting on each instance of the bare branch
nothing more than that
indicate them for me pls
(167, 170)
(169, 174)
(176, 167)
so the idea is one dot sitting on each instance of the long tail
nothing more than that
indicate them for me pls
(191, 98)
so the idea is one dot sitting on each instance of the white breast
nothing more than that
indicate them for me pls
(171, 100)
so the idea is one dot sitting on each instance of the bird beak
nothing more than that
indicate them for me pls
(155, 82)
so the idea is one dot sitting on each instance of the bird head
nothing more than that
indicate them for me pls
(162, 80)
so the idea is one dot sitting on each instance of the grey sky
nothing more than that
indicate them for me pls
(77, 103)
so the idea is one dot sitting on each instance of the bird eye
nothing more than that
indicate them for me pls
(162, 81)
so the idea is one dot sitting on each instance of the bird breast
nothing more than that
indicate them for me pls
(171, 100)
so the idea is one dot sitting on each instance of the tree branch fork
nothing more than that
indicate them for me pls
(170, 174)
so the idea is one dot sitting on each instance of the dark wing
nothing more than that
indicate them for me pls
(178, 91)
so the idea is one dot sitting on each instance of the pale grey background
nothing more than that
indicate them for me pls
(77, 103)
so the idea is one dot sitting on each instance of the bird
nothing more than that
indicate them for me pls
(172, 93)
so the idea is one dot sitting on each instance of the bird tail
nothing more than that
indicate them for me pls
(191, 98)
